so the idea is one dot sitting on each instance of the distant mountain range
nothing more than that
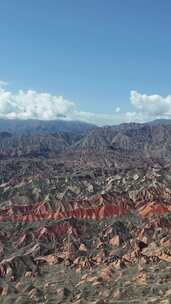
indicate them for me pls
(121, 146)
(33, 126)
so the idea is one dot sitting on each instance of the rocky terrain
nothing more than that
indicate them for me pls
(85, 215)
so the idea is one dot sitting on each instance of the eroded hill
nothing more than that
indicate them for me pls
(88, 219)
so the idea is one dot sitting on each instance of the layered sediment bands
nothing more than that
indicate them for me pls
(65, 204)
(94, 207)
(104, 212)
(152, 209)
(98, 207)
(153, 193)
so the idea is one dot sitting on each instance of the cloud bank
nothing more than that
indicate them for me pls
(44, 106)
(151, 104)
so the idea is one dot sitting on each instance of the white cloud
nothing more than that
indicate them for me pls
(31, 104)
(34, 105)
(3, 83)
(151, 104)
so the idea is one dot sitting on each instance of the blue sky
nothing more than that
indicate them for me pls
(92, 52)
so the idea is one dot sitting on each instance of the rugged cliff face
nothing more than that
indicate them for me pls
(88, 219)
